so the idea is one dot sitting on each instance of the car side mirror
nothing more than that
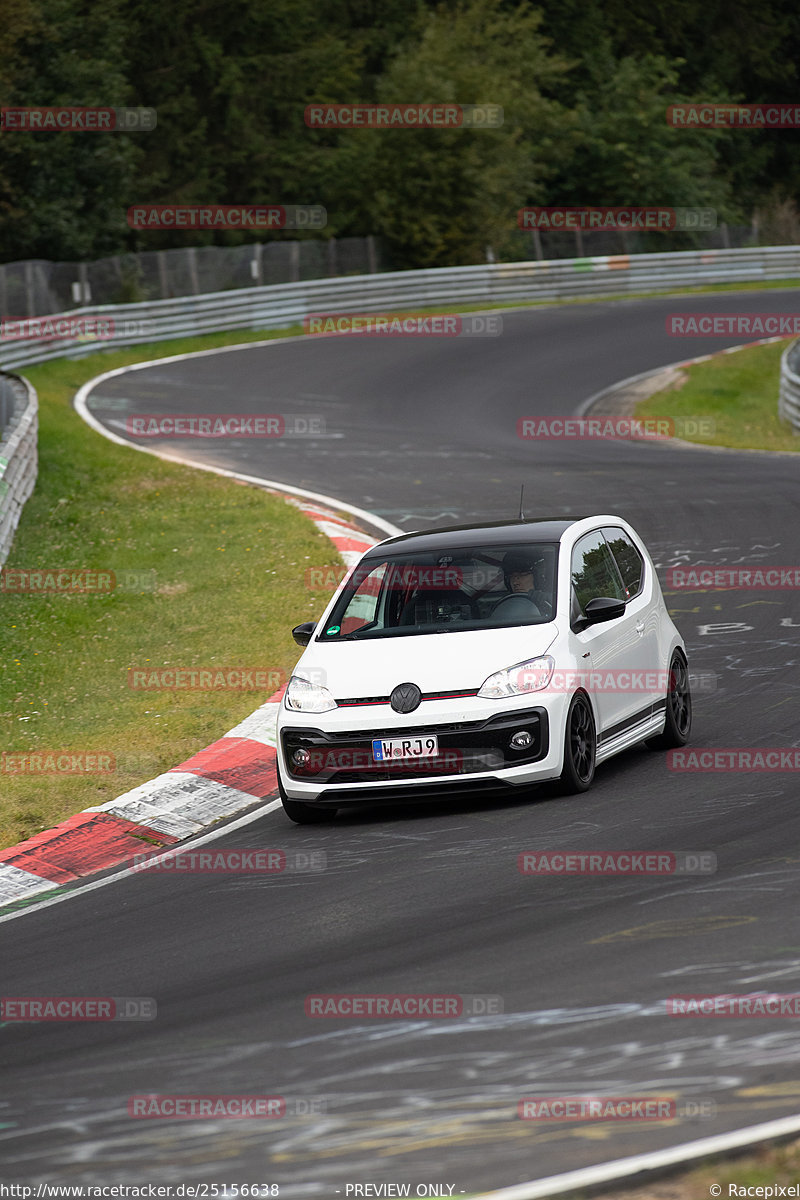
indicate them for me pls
(303, 634)
(604, 608)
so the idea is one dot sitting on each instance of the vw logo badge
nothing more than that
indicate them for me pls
(405, 697)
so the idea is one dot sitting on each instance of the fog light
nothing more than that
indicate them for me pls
(301, 758)
(521, 740)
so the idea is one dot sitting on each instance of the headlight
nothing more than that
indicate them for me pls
(530, 676)
(303, 696)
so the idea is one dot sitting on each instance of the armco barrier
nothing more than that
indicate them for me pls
(282, 305)
(18, 455)
(789, 399)
(286, 304)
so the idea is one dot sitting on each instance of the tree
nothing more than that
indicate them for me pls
(441, 196)
(625, 153)
(63, 195)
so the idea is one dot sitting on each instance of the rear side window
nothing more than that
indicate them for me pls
(628, 559)
(594, 572)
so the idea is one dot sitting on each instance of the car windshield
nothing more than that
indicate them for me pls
(441, 591)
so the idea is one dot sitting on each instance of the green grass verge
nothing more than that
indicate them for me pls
(656, 294)
(228, 563)
(739, 392)
(770, 1164)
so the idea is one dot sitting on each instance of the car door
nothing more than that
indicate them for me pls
(642, 597)
(611, 651)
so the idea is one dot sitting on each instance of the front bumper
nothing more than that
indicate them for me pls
(473, 755)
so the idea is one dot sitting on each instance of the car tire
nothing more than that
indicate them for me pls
(678, 720)
(304, 814)
(580, 747)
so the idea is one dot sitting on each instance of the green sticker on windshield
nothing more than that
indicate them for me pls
(333, 629)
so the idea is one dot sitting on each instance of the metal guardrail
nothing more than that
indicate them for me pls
(19, 410)
(789, 397)
(282, 305)
(37, 286)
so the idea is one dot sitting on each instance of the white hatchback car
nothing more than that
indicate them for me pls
(481, 657)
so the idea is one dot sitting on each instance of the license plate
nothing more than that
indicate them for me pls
(384, 749)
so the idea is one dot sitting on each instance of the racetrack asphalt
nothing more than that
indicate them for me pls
(429, 900)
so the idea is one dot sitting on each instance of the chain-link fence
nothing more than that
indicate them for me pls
(38, 287)
(577, 243)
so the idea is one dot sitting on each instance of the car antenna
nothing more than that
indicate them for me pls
(521, 494)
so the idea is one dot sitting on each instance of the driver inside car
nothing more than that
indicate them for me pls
(525, 574)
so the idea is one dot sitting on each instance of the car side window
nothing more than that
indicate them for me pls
(363, 605)
(594, 572)
(628, 559)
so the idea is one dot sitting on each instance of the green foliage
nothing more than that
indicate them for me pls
(584, 85)
(63, 195)
(440, 196)
(626, 151)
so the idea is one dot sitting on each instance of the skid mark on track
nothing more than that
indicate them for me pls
(682, 927)
(386, 1110)
(742, 972)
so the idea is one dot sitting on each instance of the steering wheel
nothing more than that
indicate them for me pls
(517, 598)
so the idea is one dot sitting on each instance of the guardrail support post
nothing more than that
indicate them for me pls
(30, 298)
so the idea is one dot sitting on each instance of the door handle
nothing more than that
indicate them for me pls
(640, 628)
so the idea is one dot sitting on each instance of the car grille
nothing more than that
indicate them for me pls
(366, 701)
(465, 748)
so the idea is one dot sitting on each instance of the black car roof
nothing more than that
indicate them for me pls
(545, 529)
